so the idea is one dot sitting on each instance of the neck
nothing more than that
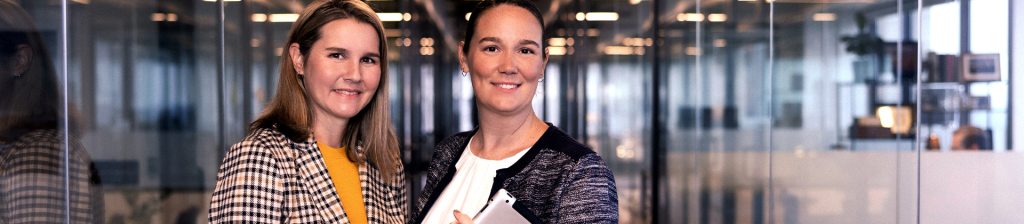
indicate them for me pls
(329, 131)
(502, 136)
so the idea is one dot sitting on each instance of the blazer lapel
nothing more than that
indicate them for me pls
(317, 182)
(364, 185)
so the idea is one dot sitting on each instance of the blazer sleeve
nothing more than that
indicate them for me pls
(590, 195)
(250, 186)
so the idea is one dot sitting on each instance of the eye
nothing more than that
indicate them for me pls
(368, 60)
(491, 49)
(527, 51)
(335, 55)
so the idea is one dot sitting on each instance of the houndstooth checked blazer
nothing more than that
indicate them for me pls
(32, 180)
(268, 178)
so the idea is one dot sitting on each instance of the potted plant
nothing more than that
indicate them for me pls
(867, 46)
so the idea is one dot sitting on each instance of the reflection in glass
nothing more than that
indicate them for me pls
(40, 181)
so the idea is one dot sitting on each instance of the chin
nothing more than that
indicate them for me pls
(345, 113)
(508, 107)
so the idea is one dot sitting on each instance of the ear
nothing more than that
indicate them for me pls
(297, 60)
(463, 64)
(546, 56)
(22, 59)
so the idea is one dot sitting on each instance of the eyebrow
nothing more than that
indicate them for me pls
(491, 39)
(343, 50)
(522, 42)
(529, 42)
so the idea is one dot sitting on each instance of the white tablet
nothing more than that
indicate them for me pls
(499, 210)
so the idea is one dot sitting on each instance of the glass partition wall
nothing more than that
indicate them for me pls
(707, 111)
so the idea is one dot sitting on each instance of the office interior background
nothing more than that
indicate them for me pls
(707, 111)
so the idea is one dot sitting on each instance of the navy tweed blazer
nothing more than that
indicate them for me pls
(559, 180)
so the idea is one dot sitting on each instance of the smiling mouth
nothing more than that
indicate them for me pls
(507, 86)
(348, 92)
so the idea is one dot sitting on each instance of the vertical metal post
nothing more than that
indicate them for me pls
(221, 79)
(64, 102)
(658, 150)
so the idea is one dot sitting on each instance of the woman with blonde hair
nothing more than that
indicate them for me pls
(324, 150)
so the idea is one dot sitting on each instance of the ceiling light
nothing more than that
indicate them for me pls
(157, 17)
(824, 17)
(717, 17)
(283, 17)
(259, 17)
(426, 51)
(468, 14)
(427, 42)
(389, 16)
(556, 41)
(557, 50)
(277, 18)
(602, 16)
(620, 50)
(635, 42)
(691, 17)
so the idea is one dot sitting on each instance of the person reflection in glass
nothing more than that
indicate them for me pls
(324, 150)
(32, 166)
(554, 178)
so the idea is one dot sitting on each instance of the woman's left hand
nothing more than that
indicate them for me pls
(462, 218)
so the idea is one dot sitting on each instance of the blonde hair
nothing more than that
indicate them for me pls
(289, 111)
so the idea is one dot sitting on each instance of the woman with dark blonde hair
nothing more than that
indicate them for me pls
(324, 150)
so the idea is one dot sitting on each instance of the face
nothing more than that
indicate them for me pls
(505, 59)
(342, 69)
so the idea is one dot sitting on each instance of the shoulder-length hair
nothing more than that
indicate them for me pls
(29, 100)
(289, 111)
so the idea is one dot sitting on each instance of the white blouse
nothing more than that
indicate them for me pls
(470, 188)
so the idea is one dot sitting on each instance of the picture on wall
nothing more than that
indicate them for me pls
(980, 67)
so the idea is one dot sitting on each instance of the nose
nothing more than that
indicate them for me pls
(353, 73)
(507, 64)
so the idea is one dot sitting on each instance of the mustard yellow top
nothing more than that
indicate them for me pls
(345, 175)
